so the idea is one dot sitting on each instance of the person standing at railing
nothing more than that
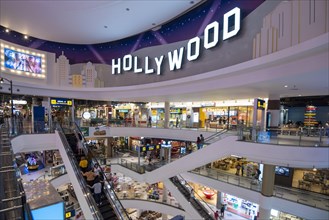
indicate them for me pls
(198, 143)
(222, 210)
(149, 122)
(201, 141)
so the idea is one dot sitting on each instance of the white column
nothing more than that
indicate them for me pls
(72, 111)
(167, 115)
(254, 120)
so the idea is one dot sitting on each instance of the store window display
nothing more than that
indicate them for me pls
(240, 206)
(315, 180)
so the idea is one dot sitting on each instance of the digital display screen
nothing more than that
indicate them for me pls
(50, 212)
(282, 171)
(21, 61)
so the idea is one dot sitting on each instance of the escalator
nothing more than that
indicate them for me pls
(185, 189)
(12, 196)
(110, 206)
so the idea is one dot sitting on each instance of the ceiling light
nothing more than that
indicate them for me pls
(7, 30)
(314, 169)
(25, 37)
(285, 86)
(105, 26)
(127, 9)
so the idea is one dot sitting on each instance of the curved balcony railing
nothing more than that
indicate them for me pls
(315, 200)
(307, 137)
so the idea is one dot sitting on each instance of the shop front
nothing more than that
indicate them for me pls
(226, 116)
(239, 206)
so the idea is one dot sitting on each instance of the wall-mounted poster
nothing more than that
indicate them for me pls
(22, 61)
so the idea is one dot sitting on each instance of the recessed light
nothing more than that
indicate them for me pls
(299, 95)
(127, 9)
(285, 86)
(7, 30)
(25, 37)
(191, 2)
(153, 24)
(105, 26)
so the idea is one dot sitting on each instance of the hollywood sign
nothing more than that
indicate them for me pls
(175, 58)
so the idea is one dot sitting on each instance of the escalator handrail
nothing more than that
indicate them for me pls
(197, 194)
(217, 134)
(105, 179)
(91, 202)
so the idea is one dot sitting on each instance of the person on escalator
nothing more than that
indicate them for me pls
(90, 175)
(216, 215)
(97, 186)
(83, 164)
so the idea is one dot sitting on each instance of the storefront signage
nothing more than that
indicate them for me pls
(310, 116)
(19, 102)
(175, 58)
(55, 102)
(260, 104)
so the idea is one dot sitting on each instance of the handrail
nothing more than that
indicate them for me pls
(89, 199)
(197, 194)
(156, 201)
(213, 136)
(119, 209)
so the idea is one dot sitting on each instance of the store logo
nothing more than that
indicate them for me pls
(175, 58)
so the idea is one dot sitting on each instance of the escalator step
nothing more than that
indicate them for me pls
(109, 215)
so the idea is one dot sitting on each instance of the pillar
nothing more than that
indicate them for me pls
(167, 115)
(169, 154)
(254, 120)
(219, 200)
(34, 103)
(164, 194)
(268, 180)
(273, 116)
(73, 112)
